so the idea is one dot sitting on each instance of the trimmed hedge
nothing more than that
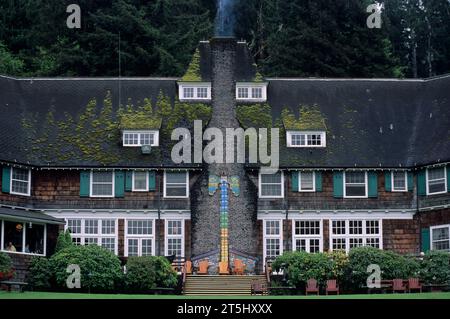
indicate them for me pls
(100, 268)
(149, 272)
(435, 268)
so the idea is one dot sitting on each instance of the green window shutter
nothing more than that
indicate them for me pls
(119, 184)
(6, 179)
(128, 181)
(410, 177)
(388, 181)
(85, 183)
(152, 180)
(294, 179)
(373, 184)
(425, 240)
(421, 183)
(338, 184)
(448, 178)
(318, 181)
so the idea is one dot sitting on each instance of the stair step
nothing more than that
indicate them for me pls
(216, 285)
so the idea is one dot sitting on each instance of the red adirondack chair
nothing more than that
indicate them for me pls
(397, 285)
(332, 286)
(188, 267)
(203, 267)
(311, 287)
(414, 284)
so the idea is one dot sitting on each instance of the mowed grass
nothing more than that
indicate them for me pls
(56, 295)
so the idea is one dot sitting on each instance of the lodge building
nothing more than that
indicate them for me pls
(362, 162)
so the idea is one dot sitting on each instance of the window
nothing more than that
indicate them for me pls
(355, 184)
(306, 182)
(306, 139)
(188, 93)
(91, 231)
(102, 184)
(347, 234)
(140, 181)
(399, 182)
(140, 239)
(271, 185)
(202, 92)
(176, 184)
(175, 238)
(436, 181)
(20, 181)
(257, 93)
(137, 139)
(242, 93)
(307, 235)
(440, 238)
(272, 239)
(23, 237)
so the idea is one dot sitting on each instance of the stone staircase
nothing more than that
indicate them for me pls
(216, 285)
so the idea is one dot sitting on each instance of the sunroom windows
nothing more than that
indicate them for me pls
(140, 138)
(355, 184)
(348, 234)
(273, 239)
(89, 231)
(307, 235)
(440, 238)
(139, 237)
(176, 184)
(20, 181)
(305, 139)
(271, 185)
(436, 180)
(23, 237)
(174, 238)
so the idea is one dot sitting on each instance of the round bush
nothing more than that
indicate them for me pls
(149, 272)
(100, 269)
(5, 263)
(40, 273)
(435, 267)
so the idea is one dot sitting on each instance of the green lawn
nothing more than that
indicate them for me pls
(54, 295)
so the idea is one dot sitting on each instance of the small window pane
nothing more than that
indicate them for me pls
(102, 183)
(202, 93)
(306, 181)
(74, 226)
(133, 247)
(19, 181)
(188, 93)
(257, 93)
(13, 240)
(108, 226)
(91, 226)
(399, 180)
(140, 181)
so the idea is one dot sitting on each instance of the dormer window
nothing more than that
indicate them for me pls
(256, 92)
(140, 138)
(306, 139)
(194, 90)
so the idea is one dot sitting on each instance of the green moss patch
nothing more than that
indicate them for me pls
(310, 118)
(193, 72)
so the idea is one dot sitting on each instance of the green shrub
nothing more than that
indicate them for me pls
(149, 272)
(340, 263)
(64, 241)
(392, 265)
(5, 263)
(100, 268)
(435, 267)
(40, 273)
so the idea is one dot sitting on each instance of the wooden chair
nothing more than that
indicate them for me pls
(332, 286)
(414, 284)
(311, 287)
(188, 267)
(223, 268)
(203, 267)
(259, 288)
(239, 267)
(397, 286)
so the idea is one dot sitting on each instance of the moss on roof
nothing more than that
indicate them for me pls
(193, 72)
(255, 115)
(310, 118)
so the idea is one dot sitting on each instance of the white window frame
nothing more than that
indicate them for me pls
(91, 182)
(405, 189)
(179, 236)
(195, 86)
(269, 236)
(139, 133)
(24, 223)
(165, 185)
(99, 236)
(269, 196)
(365, 236)
(133, 188)
(366, 185)
(140, 237)
(28, 193)
(323, 138)
(432, 228)
(300, 182)
(250, 86)
(445, 182)
(307, 237)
